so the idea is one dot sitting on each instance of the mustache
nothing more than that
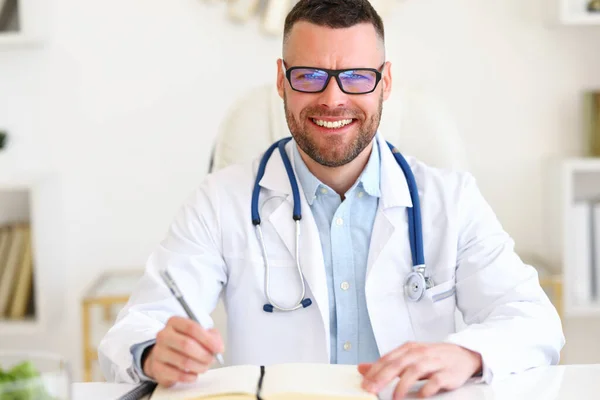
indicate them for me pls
(336, 112)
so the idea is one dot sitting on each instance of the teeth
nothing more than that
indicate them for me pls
(331, 124)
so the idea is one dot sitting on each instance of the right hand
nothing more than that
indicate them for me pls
(183, 350)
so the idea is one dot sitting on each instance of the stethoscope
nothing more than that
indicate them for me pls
(417, 281)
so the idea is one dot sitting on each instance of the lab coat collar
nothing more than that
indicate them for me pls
(275, 177)
(393, 186)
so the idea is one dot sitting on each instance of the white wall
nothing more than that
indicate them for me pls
(122, 103)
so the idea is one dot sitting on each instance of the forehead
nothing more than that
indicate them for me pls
(321, 46)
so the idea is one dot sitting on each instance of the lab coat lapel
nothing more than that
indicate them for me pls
(391, 213)
(310, 251)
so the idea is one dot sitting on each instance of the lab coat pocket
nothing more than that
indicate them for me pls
(433, 317)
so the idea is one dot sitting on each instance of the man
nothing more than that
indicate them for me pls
(353, 249)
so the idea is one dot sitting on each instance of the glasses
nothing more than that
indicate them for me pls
(350, 81)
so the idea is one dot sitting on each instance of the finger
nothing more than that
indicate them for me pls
(193, 329)
(217, 340)
(184, 345)
(433, 386)
(413, 374)
(183, 362)
(386, 359)
(168, 375)
(364, 368)
(438, 382)
(392, 369)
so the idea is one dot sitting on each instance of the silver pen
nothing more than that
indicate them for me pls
(170, 282)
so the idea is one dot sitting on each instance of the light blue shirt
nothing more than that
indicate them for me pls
(345, 230)
(343, 226)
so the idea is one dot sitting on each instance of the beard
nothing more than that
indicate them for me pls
(336, 152)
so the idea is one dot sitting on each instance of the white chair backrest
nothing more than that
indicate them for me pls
(412, 120)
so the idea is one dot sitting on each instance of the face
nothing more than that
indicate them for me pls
(333, 127)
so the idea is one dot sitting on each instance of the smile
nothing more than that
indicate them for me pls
(332, 124)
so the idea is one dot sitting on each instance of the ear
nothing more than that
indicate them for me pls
(280, 77)
(387, 80)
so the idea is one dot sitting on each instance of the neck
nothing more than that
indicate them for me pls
(341, 178)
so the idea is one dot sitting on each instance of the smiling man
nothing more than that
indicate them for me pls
(332, 247)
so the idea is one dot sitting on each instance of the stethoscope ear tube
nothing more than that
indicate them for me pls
(271, 306)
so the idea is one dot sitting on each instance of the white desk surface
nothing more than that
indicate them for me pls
(573, 382)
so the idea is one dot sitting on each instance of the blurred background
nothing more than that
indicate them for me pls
(112, 112)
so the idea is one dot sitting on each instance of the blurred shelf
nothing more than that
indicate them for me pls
(583, 164)
(574, 13)
(589, 20)
(584, 311)
(579, 190)
(16, 41)
(19, 327)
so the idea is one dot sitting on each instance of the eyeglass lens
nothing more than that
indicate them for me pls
(313, 80)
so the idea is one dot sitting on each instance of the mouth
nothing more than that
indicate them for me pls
(332, 124)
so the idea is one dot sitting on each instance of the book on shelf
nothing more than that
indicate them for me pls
(584, 240)
(594, 125)
(23, 288)
(583, 286)
(5, 237)
(16, 270)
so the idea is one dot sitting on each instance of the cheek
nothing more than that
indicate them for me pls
(297, 108)
(368, 106)
(298, 102)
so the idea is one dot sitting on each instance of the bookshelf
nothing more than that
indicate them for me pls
(21, 23)
(46, 220)
(18, 311)
(575, 13)
(580, 187)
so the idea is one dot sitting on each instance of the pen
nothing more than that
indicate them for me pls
(177, 293)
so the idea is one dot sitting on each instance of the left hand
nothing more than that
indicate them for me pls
(446, 366)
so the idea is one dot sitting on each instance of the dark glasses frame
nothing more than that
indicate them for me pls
(333, 73)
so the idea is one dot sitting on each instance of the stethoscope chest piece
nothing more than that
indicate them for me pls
(415, 286)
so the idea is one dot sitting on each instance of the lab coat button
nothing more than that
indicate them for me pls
(345, 285)
(339, 221)
(347, 346)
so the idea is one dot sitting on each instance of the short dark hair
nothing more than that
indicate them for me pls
(334, 14)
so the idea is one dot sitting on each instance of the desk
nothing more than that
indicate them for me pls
(572, 382)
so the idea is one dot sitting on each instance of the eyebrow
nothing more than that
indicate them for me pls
(307, 65)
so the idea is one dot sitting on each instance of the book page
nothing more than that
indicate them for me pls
(313, 381)
(235, 381)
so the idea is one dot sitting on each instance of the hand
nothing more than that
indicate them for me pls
(183, 350)
(445, 365)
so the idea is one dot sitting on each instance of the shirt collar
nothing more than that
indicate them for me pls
(369, 178)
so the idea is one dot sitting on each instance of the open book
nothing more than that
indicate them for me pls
(276, 382)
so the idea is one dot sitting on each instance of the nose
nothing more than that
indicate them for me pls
(332, 96)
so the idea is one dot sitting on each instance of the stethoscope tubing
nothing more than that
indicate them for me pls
(417, 281)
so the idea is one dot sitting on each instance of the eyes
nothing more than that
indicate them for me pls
(313, 80)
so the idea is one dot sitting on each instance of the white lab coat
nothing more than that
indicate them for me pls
(212, 250)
